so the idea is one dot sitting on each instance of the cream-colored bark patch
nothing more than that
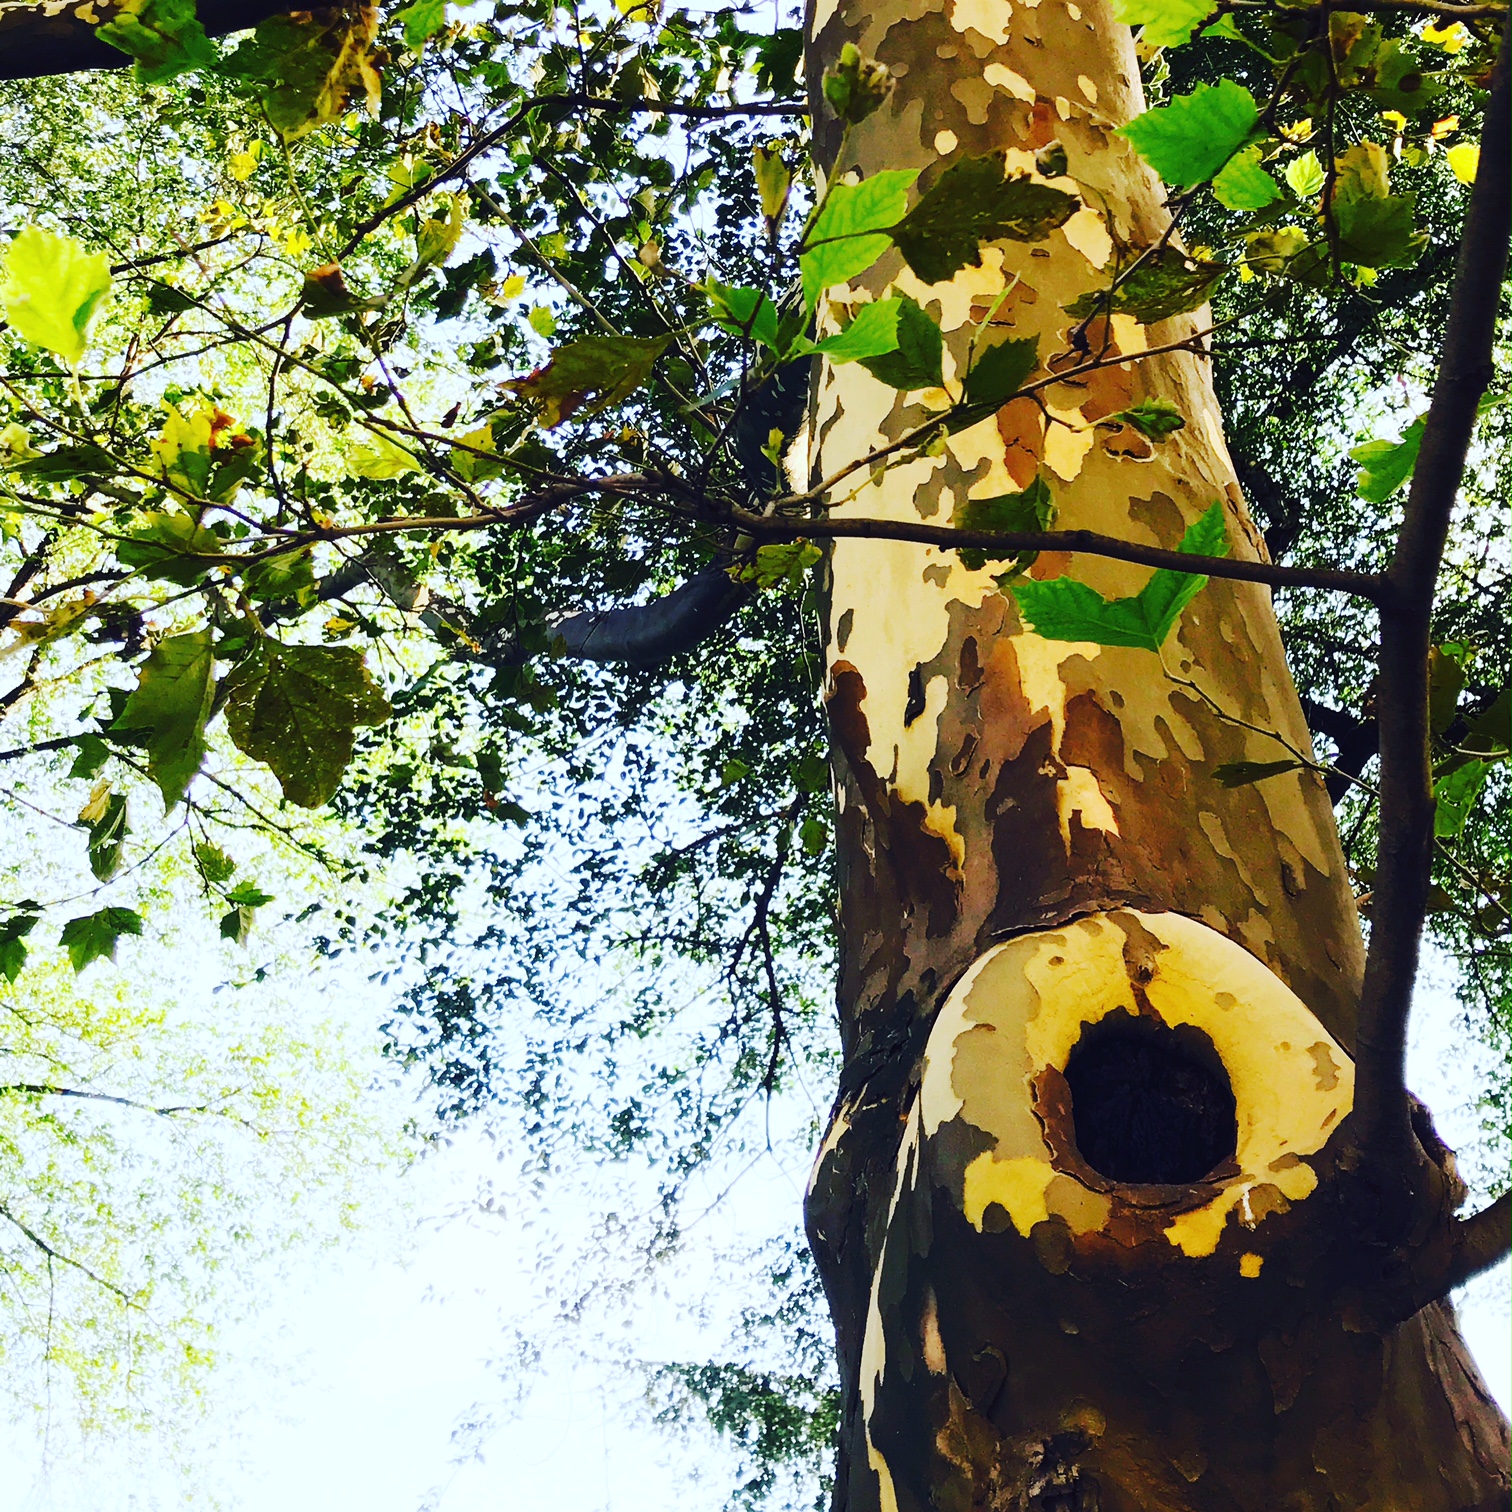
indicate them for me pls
(1087, 231)
(1078, 793)
(989, 17)
(1026, 1003)
(1002, 77)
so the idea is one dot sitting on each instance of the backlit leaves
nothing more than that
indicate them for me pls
(52, 290)
(1189, 140)
(1386, 465)
(164, 36)
(171, 703)
(1166, 23)
(590, 374)
(297, 708)
(93, 937)
(895, 339)
(850, 231)
(308, 65)
(1242, 184)
(1163, 283)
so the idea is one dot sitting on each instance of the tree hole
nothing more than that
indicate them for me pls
(1150, 1104)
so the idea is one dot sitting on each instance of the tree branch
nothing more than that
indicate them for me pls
(643, 635)
(1383, 1133)
(779, 528)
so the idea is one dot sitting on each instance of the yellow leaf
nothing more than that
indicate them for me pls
(1447, 127)
(297, 242)
(382, 459)
(1451, 38)
(17, 443)
(512, 287)
(1463, 160)
(98, 803)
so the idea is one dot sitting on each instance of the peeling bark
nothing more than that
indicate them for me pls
(1032, 847)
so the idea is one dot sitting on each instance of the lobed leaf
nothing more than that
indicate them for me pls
(849, 233)
(93, 937)
(297, 709)
(171, 703)
(1189, 140)
(1166, 23)
(1064, 609)
(589, 374)
(52, 289)
(971, 203)
(164, 36)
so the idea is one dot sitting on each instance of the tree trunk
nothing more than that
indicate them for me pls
(1078, 1212)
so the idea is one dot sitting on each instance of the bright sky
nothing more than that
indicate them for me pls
(369, 1368)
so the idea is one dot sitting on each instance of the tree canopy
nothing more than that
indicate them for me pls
(393, 407)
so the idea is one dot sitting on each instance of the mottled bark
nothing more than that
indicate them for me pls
(1041, 880)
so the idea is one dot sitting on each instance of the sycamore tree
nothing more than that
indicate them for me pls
(971, 507)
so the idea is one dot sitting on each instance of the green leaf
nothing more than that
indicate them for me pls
(1234, 774)
(309, 64)
(325, 294)
(849, 232)
(169, 545)
(781, 562)
(1446, 681)
(746, 312)
(1379, 233)
(1491, 732)
(1000, 372)
(171, 702)
(812, 774)
(1454, 797)
(774, 181)
(65, 463)
(164, 36)
(1064, 609)
(422, 19)
(53, 288)
(1166, 23)
(248, 895)
(382, 459)
(813, 835)
(92, 755)
(971, 203)
(12, 943)
(107, 837)
(1386, 465)
(214, 863)
(93, 936)
(1155, 419)
(917, 361)
(1165, 283)
(1189, 140)
(236, 925)
(589, 374)
(1032, 509)
(895, 339)
(297, 709)
(286, 576)
(1242, 184)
